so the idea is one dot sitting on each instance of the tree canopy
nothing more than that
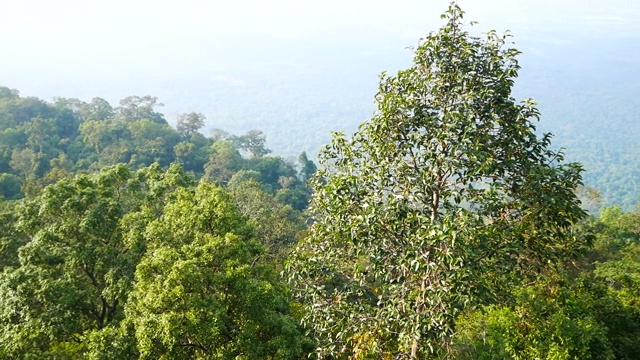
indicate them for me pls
(446, 227)
(434, 204)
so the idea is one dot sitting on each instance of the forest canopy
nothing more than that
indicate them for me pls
(446, 227)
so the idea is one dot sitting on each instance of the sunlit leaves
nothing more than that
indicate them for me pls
(444, 198)
(202, 290)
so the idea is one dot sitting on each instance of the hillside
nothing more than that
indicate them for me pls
(579, 66)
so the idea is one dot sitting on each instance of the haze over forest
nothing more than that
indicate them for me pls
(298, 72)
(445, 224)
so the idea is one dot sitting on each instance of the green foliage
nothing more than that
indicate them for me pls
(444, 199)
(202, 292)
(571, 317)
(135, 108)
(307, 167)
(41, 143)
(275, 173)
(139, 143)
(623, 275)
(277, 225)
(10, 186)
(617, 266)
(152, 142)
(253, 142)
(78, 249)
(194, 153)
(124, 264)
(444, 228)
(550, 320)
(243, 176)
(189, 124)
(296, 197)
(10, 239)
(6, 93)
(74, 270)
(97, 109)
(224, 161)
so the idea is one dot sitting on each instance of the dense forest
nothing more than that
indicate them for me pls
(446, 227)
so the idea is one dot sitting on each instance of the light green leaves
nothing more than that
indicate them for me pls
(202, 290)
(145, 264)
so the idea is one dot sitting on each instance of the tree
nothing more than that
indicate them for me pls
(274, 172)
(550, 319)
(277, 225)
(98, 109)
(41, 134)
(189, 124)
(253, 142)
(224, 161)
(437, 203)
(134, 108)
(73, 270)
(26, 162)
(193, 153)
(152, 142)
(201, 290)
(10, 238)
(110, 139)
(219, 134)
(7, 93)
(79, 244)
(307, 167)
(10, 186)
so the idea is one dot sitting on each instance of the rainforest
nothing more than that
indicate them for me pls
(448, 225)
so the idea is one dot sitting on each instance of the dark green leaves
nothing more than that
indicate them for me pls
(444, 198)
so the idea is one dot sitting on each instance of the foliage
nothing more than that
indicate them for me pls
(135, 108)
(224, 161)
(277, 225)
(587, 312)
(75, 263)
(10, 186)
(550, 320)
(617, 265)
(444, 228)
(590, 312)
(42, 142)
(189, 124)
(307, 167)
(202, 292)
(443, 199)
(253, 142)
(10, 238)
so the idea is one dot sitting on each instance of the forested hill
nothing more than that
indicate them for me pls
(585, 91)
(585, 95)
(444, 228)
(303, 88)
(43, 142)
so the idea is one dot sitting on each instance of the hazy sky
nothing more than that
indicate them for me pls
(53, 40)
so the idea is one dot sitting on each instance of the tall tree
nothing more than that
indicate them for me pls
(134, 108)
(307, 167)
(436, 202)
(97, 109)
(277, 225)
(189, 124)
(7, 93)
(253, 142)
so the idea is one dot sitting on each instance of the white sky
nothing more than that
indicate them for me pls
(74, 24)
(90, 37)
